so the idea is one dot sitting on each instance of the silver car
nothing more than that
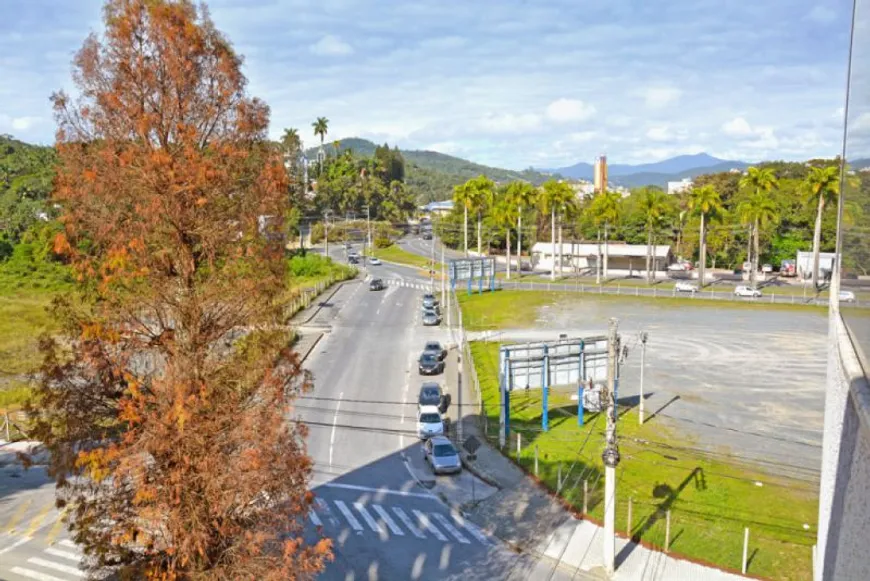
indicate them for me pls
(431, 318)
(442, 455)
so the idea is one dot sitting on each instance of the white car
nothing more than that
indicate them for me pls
(846, 296)
(429, 422)
(374, 261)
(686, 287)
(746, 291)
(677, 267)
(767, 268)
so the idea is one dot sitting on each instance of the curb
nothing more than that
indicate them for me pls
(310, 349)
(338, 287)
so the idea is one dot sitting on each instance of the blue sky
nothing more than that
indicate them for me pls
(510, 83)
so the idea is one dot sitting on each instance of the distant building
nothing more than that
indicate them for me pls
(680, 186)
(804, 264)
(440, 208)
(583, 189)
(583, 256)
(600, 174)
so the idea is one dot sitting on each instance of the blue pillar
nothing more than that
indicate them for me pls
(545, 387)
(580, 375)
(469, 286)
(480, 285)
(506, 395)
(492, 283)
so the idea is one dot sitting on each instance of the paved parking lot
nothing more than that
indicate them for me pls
(747, 382)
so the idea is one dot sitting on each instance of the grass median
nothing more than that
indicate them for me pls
(711, 495)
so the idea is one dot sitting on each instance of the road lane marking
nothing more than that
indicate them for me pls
(406, 520)
(373, 524)
(74, 571)
(315, 520)
(323, 506)
(442, 520)
(68, 543)
(394, 528)
(380, 490)
(34, 574)
(13, 522)
(37, 521)
(426, 524)
(334, 423)
(64, 554)
(471, 528)
(57, 526)
(348, 515)
(14, 545)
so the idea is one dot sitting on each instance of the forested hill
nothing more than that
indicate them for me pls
(26, 174)
(430, 174)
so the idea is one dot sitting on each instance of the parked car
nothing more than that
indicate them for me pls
(430, 394)
(429, 301)
(429, 364)
(377, 284)
(374, 261)
(686, 287)
(427, 236)
(442, 455)
(435, 348)
(429, 422)
(746, 291)
(431, 318)
(846, 296)
(766, 268)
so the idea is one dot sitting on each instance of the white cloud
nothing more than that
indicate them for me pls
(662, 96)
(582, 136)
(448, 147)
(330, 45)
(666, 133)
(569, 110)
(737, 127)
(510, 123)
(19, 123)
(822, 14)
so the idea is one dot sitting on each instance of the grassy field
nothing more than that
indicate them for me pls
(25, 317)
(710, 495)
(395, 254)
(515, 308)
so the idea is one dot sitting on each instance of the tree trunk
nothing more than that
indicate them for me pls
(648, 253)
(561, 257)
(606, 253)
(508, 253)
(465, 230)
(519, 242)
(598, 260)
(703, 257)
(553, 243)
(817, 242)
(478, 234)
(754, 263)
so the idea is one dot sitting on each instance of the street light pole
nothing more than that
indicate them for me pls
(443, 286)
(368, 233)
(432, 266)
(610, 456)
(643, 338)
(326, 231)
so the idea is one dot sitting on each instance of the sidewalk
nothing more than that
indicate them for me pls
(311, 323)
(526, 516)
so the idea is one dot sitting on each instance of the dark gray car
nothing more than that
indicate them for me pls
(435, 348)
(429, 365)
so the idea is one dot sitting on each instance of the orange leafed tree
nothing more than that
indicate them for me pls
(166, 415)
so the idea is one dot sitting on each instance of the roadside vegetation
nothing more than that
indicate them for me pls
(711, 495)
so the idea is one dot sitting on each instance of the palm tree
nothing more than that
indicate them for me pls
(705, 201)
(822, 186)
(335, 145)
(759, 181)
(483, 198)
(606, 208)
(654, 204)
(521, 195)
(504, 214)
(553, 198)
(466, 196)
(321, 128)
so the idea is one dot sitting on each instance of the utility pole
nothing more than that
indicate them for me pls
(611, 452)
(643, 338)
(432, 266)
(326, 231)
(368, 234)
(598, 260)
(443, 286)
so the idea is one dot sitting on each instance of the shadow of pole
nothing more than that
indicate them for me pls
(661, 409)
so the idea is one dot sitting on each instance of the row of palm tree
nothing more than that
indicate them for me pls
(757, 210)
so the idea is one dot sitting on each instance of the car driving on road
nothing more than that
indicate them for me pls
(374, 261)
(747, 291)
(442, 455)
(377, 284)
(429, 422)
(846, 296)
(429, 364)
(686, 287)
(435, 348)
(431, 318)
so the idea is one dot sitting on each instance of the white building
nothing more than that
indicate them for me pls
(583, 256)
(680, 186)
(440, 208)
(804, 264)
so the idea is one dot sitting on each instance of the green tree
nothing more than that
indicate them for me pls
(655, 205)
(321, 128)
(605, 209)
(522, 195)
(822, 187)
(484, 196)
(758, 209)
(554, 198)
(505, 213)
(704, 201)
(466, 196)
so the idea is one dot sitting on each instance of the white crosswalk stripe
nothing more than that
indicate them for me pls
(74, 571)
(315, 520)
(38, 576)
(406, 520)
(427, 525)
(394, 528)
(342, 507)
(67, 543)
(323, 507)
(471, 528)
(373, 524)
(442, 520)
(64, 554)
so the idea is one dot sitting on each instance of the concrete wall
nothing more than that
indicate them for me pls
(844, 507)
